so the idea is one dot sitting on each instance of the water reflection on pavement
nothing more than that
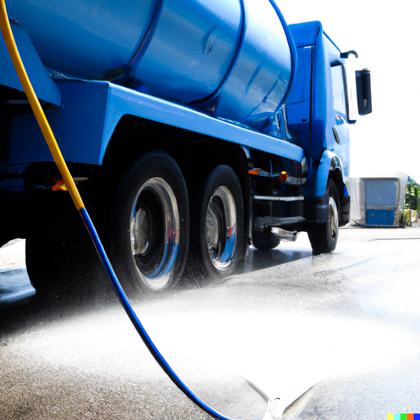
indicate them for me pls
(346, 323)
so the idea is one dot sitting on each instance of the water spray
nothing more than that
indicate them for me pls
(273, 412)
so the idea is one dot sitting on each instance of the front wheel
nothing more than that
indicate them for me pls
(217, 233)
(324, 236)
(149, 229)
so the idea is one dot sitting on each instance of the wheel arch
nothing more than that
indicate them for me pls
(320, 173)
(336, 174)
(330, 167)
(196, 154)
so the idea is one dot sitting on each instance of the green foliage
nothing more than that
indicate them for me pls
(412, 194)
(406, 218)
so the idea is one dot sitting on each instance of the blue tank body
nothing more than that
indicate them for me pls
(229, 58)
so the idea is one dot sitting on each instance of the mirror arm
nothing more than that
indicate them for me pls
(346, 54)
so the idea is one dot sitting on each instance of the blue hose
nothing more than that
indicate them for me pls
(137, 323)
(123, 298)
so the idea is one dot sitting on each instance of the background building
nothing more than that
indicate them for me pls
(391, 201)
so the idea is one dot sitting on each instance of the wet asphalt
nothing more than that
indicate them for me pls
(344, 326)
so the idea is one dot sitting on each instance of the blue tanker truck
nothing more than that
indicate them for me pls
(193, 128)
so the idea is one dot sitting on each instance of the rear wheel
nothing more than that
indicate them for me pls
(217, 234)
(324, 236)
(67, 271)
(149, 229)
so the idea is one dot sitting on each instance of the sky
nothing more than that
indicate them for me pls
(386, 36)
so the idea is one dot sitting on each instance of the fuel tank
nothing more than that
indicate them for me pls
(229, 58)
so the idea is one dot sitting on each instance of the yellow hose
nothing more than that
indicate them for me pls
(61, 164)
(36, 107)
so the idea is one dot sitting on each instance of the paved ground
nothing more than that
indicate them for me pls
(345, 324)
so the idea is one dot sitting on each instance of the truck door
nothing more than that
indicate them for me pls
(339, 142)
(298, 106)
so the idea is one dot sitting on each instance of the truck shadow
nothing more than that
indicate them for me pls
(259, 260)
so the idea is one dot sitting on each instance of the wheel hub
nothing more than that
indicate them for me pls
(333, 217)
(221, 228)
(154, 232)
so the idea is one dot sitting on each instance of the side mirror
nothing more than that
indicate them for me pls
(364, 94)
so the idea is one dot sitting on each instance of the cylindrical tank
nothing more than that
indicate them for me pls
(229, 57)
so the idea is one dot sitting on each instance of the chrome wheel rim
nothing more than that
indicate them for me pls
(333, 216)
(221, 228)
(154, 233)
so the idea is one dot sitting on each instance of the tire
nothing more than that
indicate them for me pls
(66, 271)
(264, 240)
(217, 234)
(60, 255)
(41, 262)
(149, 225)
(324, 236)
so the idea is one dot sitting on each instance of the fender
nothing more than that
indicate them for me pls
(319, 173)
(90, 111)
(316, 194)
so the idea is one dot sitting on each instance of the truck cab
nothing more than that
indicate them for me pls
(327, 96)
